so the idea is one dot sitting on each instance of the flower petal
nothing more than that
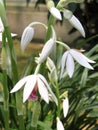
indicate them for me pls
(46, 50)
(48, 87)
(87, 59)
(29, 87)
(0, 37)
(65, 106)
(56, 13)
(70, 65)
(13, 34)
(1, 26)
(76, 24)
(43, 91)
(59, 124)
(80, 58)
(67, 14)
(19, 84)
(26, 37)
(63, 60)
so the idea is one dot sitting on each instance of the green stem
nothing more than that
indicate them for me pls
(37, 68)
(51, 22)
(15, 77)
(6, 100)
(37, 23)
(63, 44)
(58, 97)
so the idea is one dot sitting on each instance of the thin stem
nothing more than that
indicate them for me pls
(37, 68)
(63, 44)
(58, 97)
(51, 22)
(37, 23)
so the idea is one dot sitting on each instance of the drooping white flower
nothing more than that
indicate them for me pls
(27, 36)
(59, 124)
(48, 47)
(53, 10)
(68, 61)
(56, 13)
(65, 106)
(74, 21)
(31, 84)
(46, 50)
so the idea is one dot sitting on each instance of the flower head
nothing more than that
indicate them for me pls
(46, 50)
(48, 47)
(27, 36)
(56, 13)
(32, 83)
(53, 10)
(68, 61)
(65, 106)
(59, 124)
(74, 21)
(1, 26)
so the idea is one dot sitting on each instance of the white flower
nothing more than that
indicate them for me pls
(68, 61)
(55, 12)
(65, 106)
(31, 84)
(74, 21)
(48, 47)
(59, 124)
(27, 36)
(1, 26)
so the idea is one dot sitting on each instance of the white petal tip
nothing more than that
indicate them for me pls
(12, 91)
(24, 100)
(70, 76)
(76, 24)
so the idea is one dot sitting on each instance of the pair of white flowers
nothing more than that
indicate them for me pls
(68, 15)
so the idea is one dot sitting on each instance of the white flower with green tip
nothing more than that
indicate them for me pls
(56, 13)
(59, 124)
(27, 36)
(65, 106)
(74, 21)
(48, 47)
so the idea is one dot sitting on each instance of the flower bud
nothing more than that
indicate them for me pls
(59, 124)
(53, 10)
(27, 36)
